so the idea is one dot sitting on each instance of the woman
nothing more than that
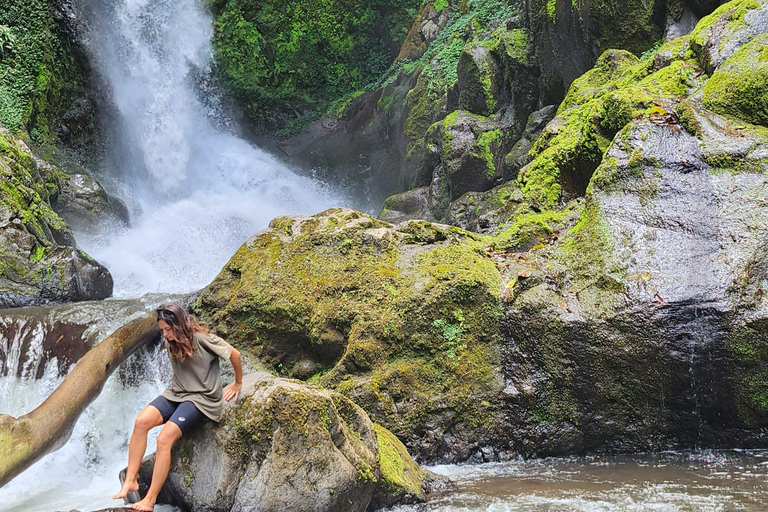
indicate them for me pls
(195, 394)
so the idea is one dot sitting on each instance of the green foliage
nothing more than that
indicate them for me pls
(303, 52)
(552, 10)
(650, 52)
(439, 5)
(38, 74)
(439, 63)
(7, 40)
(25, 193)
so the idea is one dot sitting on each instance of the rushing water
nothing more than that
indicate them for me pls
(708, 481)
(195, 190)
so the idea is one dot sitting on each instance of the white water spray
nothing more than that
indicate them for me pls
(196, 193)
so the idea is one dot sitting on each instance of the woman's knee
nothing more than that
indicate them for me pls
(169, 435)
(147, 420)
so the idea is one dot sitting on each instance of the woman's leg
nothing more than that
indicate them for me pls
(148, 419)
(168, 435)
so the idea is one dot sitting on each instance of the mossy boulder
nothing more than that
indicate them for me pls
(618, 89)
(84, 204)
(479, 80)
(404, 320)
(38, 260)
(466, 154)
(410, 205)
(739, 87)
(728, 28)
(289, 446)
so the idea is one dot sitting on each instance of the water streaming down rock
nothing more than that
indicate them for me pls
(196, 192)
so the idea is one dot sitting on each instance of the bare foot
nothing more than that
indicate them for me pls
(147, 505)
(128, 486)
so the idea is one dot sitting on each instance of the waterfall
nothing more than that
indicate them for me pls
(196, 191)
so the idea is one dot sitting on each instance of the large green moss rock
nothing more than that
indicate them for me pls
(404, 320)
(289, 446)
(38, 259)
(641, 328)
(739, 87)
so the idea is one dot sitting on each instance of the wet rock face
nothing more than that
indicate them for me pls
(642, 343)
(285, 446)
(86, 206)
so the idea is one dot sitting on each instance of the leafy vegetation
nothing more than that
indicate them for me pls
(38, 73)
(303, 53)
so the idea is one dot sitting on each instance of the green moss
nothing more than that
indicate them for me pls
(528, 229)
(552, 10)
(598, 105)
(748, 345)
(740, 85)
(25, 192)
(399, 474)
(489, 143)
(588, 250)
(39, 76)
(688, 118)
(362, 302)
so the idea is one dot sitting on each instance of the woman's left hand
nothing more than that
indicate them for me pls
(233, 391)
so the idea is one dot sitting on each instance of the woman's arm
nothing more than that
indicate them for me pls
(233, 390)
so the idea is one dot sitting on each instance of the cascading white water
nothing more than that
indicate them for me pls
(196, 192)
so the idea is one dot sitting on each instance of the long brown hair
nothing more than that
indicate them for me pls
(184, 327)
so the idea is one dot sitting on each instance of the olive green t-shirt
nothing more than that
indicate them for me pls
(198, 378)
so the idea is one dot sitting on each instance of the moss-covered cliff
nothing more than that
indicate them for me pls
(404, 321)
(617, 301)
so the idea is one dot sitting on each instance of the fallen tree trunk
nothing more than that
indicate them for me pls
(25, 440)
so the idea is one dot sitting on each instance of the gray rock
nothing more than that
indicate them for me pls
(643, 342)
(718, 40)
(468, 152)
(517, 158)
(413, 204)
(682, 26)
(284, 446)
(86, 206)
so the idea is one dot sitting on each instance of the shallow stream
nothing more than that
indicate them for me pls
(708, 481)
